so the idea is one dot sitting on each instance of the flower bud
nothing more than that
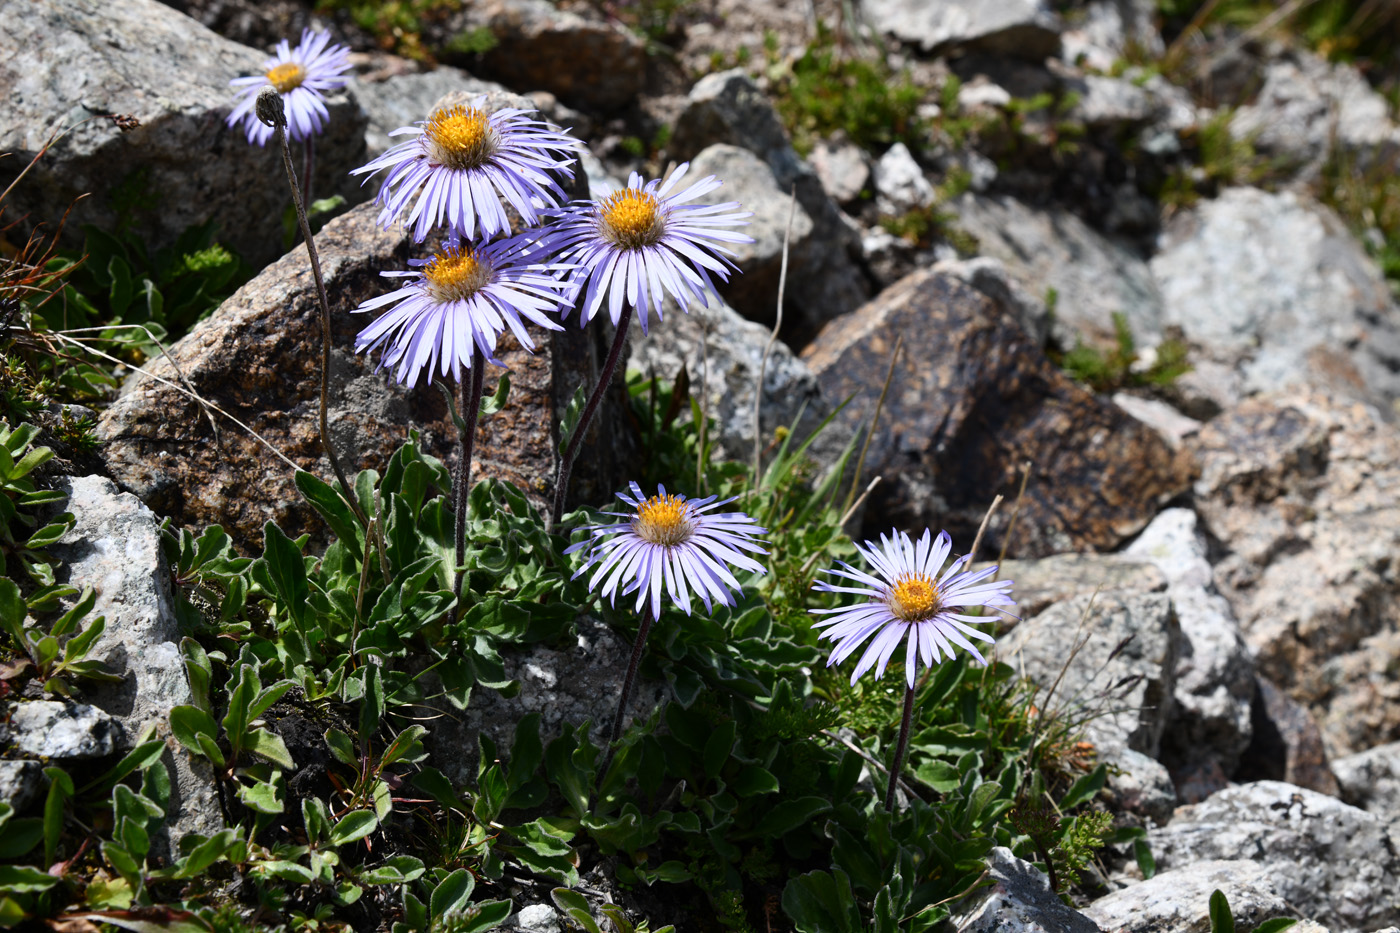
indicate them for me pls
(269, 107)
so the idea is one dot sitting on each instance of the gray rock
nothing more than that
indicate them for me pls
(1142, 785)
(843, 170)
(1300, 491)
(1019, 900)
(1307, 106)
(63, 731)
(900, 185)
(1108, 29)
(403, 100)
(733, 350)
(1179, 900)
(1274, 286)
(1329, 861)
(728, 107)
(748, 180)
(115, 547)
(1371, 779)
(1110, 102)
(1214, 671)
(64, 62)
(568, 684)
(1041, 583)
(1023, 28)
(21, 782)
(1119, 682)
(1092, 276)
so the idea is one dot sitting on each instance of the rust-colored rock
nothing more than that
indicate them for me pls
(972, 398)
(258, 358)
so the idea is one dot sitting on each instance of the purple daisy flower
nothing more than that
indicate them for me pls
(461, 299)
(909, 598)
(466, 159)
(641, 243)
(303, 76)
(671, 541)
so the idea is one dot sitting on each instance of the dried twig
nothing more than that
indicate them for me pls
(768, 347)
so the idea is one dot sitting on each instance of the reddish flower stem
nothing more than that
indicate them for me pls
(561, 480)
(900, 748)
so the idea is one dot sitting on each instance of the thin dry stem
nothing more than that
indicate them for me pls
(875, 420)
(181, 389)
(346, 490)
(1015, 513)
(768, 347)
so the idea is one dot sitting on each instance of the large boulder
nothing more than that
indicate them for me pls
(258, 359)
(1300, 491)
(972, 398)
(1274, 289)
(73, 64)
(1179, 899)
(1331, 862)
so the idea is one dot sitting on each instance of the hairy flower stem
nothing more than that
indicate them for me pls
(308, 166)
(627, 683)
(900, 748)
(280, 124)
(462, 481)
(561, 480)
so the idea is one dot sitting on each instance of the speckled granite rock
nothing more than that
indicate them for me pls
(258, 357)
(1275, 288)
(973, 398)
(1053, 579)
(1211, 724)
(1119, 684)
(64, 61)
(1179, 900)
(63, 730)
(1331, 862)
(1303, 493)
(1371, 779)
(115, 547)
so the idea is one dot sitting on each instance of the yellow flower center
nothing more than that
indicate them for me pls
(286, 77)
(631, 218)
(663, 520)
(455, 274)
(914, 597)
(460, 137)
